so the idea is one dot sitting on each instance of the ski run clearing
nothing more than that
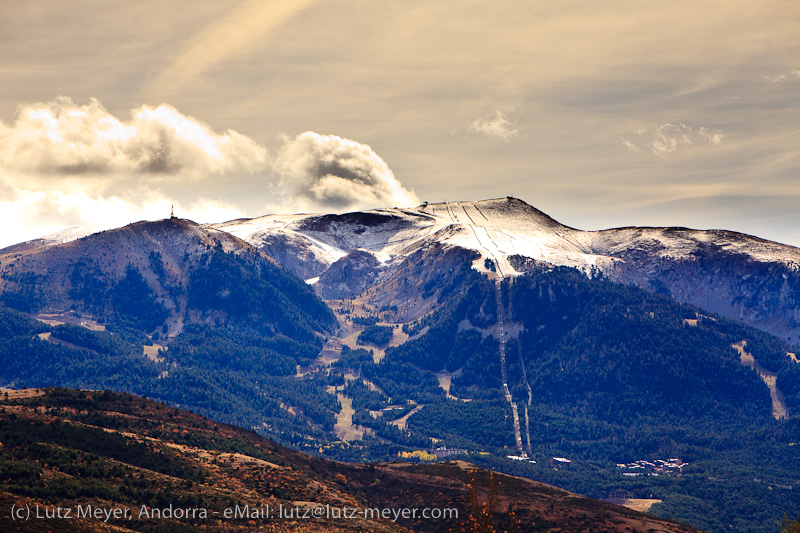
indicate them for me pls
(770, 378)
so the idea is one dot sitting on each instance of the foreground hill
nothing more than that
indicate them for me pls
(164, 469)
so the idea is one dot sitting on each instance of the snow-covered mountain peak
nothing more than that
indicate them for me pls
(496, 229)
(507, 233)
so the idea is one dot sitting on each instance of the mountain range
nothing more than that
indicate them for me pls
(484, 326)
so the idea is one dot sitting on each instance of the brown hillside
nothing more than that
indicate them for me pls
(134, 457)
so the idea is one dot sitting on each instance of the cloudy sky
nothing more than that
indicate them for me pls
(601, 114)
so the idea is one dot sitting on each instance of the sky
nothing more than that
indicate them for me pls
(600, 114)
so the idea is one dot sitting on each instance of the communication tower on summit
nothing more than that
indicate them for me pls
(172, 211)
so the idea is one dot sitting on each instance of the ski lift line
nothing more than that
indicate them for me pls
(494, 258)
(517, 436)
(447, 209)
(469, 217)
(503, 369)
(510, 237)
(525, 378)
(528, 430)
(495, 245)
(501, 318)
(530, 400)
(481, 212)
(452, 212)
(453, 209)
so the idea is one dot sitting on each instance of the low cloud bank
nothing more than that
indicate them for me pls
(62, 138)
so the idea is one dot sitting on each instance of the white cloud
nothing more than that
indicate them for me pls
(714, 137)
(667, 139)
(500, 126)
(783, 76)
(35, 214)
(65, 165)
(330, 172)
(60, 138)
(629, 145)
(775, 79)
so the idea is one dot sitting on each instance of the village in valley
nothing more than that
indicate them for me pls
(653, 468)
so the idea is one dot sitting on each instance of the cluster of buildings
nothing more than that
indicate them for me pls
(444, 451)
(656, 467)
(434, 455)
(523, 457)
(555, 461)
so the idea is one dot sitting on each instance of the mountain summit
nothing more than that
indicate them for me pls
(733, 274)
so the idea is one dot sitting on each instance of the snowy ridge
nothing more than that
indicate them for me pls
(64, 236)
(676, 243)
(51, 239)
(256, 231)
(497, 229)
